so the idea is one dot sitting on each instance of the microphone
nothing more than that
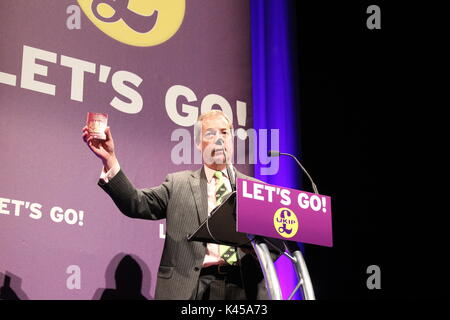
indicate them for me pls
(274, 153)
(220, 142)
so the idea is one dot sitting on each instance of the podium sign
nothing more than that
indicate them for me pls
(283, 213)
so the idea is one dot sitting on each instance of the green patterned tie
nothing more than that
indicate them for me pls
(227, 253)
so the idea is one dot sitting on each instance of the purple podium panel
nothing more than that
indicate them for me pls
(283, 213)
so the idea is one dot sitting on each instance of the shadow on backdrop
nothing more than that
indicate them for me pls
(127, 278)
(11, 287)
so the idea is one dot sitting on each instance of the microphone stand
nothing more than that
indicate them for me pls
(277, 153)
(229, 171)
(231, 177)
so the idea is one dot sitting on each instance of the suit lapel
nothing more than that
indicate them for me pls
(198, 184)
(242, 176)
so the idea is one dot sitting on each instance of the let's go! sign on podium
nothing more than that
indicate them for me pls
(283, 213)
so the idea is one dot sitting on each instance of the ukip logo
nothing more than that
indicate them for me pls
(141, 23)
(285, 222)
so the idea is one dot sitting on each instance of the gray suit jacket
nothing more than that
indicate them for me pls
(182, 201)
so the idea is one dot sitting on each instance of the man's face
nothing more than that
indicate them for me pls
(215, 137)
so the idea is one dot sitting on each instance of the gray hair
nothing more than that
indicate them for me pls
(209, 114)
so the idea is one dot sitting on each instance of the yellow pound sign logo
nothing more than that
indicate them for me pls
(285, 222)
(141, 23)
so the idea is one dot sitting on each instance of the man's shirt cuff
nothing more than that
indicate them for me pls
(106, 176)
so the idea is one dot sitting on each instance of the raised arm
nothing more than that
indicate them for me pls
(148, 203)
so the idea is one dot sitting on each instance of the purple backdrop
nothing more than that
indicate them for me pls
(45, 166)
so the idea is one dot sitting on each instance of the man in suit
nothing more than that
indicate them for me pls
(188, 269)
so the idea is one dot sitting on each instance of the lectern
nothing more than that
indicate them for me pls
(221, 228)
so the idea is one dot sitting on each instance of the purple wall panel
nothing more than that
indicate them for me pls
(44, 163)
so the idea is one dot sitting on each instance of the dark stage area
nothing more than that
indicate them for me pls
(363, 136)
